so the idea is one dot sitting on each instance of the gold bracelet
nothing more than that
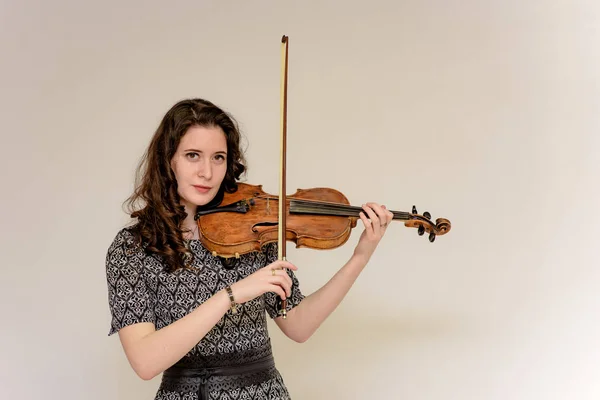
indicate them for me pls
(232, 300)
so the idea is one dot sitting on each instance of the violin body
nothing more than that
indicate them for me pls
(248, 219)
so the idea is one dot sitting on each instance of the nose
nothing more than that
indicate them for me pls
(205, 169)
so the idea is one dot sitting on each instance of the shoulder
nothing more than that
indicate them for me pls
(125, 244)
(124, 237)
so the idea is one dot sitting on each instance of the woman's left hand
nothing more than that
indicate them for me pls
(376, 219)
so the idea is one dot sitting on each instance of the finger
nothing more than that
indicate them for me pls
(389, 215)
(278, 291)
(280, 264)
(280, 281)
(374, 219)
(286, 283)
(380, 211)
(366, 223)
(385, 216)
(275, 272)
(283, 274)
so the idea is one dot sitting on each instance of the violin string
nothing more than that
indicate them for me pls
(332, 208)
(316, 207)
(342, 208)
(339, 209)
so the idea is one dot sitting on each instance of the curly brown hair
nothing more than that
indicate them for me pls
(159, 216)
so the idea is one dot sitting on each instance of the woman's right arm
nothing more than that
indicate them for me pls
(150, 352)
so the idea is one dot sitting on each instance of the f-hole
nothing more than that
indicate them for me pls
(263, 224)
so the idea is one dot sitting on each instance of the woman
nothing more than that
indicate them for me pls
(181, 311)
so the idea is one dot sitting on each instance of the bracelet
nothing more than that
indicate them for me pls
(232, 300)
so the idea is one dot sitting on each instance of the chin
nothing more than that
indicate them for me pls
(202, 199)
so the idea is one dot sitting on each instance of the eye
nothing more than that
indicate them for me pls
(192, 156)
(220, 157)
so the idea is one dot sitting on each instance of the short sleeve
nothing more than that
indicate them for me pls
(272, 300)
(129, 299)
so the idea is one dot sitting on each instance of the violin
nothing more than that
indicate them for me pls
(318, 218)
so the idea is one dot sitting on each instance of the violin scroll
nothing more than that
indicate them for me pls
(424, 224)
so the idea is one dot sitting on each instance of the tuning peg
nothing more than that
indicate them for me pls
(414, 210)
(427, 215)
(421, 230)
(431, 237)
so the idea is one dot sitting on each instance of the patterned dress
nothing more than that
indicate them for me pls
(234, 360)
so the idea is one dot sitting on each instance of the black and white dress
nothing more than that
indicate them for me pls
(234, 360)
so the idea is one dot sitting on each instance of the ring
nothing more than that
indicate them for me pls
(273, 271)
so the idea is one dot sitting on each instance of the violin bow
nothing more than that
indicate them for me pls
(413, 220)
(282, 172)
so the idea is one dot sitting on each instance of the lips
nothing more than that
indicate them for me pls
(202, 189)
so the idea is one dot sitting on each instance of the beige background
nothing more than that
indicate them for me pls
(483, 112)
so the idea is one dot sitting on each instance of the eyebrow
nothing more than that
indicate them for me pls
(200, 151)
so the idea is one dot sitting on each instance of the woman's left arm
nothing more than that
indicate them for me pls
(304, 319)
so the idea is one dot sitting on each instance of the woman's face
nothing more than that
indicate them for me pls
(200, 164)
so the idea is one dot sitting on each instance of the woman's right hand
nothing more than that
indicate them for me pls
(272, 278)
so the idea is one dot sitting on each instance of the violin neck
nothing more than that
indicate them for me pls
(298, 206)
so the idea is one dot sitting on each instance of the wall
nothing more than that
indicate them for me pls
(485, 113)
